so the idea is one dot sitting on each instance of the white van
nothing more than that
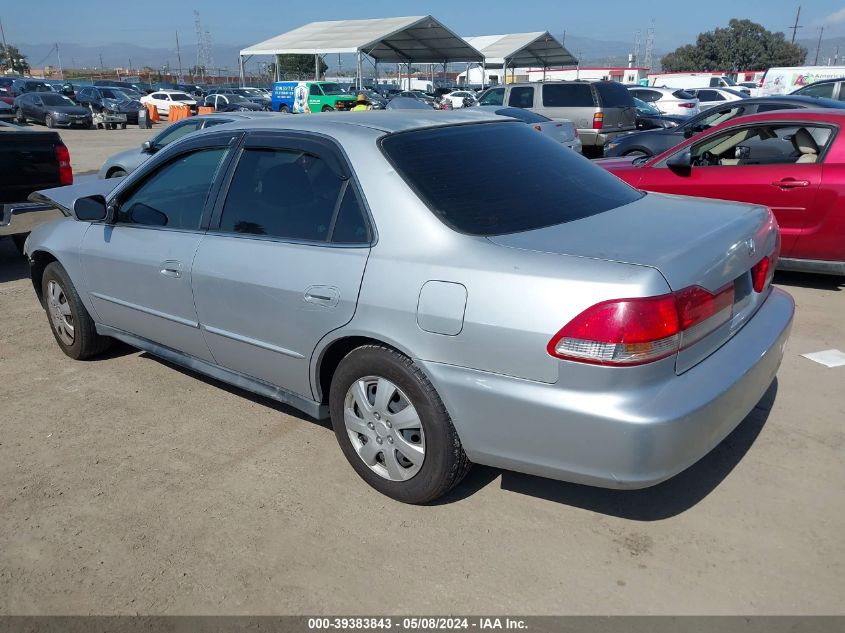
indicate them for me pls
(691, 80)
(783, 81)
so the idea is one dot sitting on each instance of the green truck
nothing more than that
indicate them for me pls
(310, 96)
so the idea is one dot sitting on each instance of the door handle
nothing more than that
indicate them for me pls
(322, 295)
(790, 183)
(171, 268)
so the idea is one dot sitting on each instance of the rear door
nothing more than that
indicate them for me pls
(283, 263)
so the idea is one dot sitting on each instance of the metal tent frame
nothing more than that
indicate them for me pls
(402, 40)
(521, 50)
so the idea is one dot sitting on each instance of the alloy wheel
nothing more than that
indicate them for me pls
(384, 428)
(60, 313)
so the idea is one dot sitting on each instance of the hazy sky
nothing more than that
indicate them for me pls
(243, 22)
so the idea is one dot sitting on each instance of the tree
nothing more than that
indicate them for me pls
(296, 66)
(12, 59)
(743, 44)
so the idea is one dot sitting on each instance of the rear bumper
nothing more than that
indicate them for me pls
(598, 138)
(627, 438)
(22, 217)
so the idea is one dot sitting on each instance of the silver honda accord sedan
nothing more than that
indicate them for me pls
(448, 288)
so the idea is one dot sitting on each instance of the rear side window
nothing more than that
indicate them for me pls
(497, 178)
(612, 94)
(521, 97)
(818, 90)
(568, 95)
(291, 194)
(683, 94)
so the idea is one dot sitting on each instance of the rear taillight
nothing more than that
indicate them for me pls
(598, 120)
(642, 330)
(763, 271)
(686, 105)
(538, 128)
(65, 170)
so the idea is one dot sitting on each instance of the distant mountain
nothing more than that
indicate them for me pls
(832, 48)
(592, 52)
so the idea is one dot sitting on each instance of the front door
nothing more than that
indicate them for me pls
(138, 268)
(284, 265)
(757, 164)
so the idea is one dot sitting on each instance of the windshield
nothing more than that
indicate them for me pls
(237, 99)
(56, 100)
(38, 87)
(180, 96)
(332, 89)
(116, 94)
(729, 81)
(644, 107)
(459, 171)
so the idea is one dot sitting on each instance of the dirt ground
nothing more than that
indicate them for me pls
(130, 486)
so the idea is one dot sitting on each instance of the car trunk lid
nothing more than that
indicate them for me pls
(691, 242)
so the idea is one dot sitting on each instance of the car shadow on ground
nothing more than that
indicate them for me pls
(809, 280)
(13, 265)
(663, 501)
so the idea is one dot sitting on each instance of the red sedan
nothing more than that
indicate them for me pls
(792, 161)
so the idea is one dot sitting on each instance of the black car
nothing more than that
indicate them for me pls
(652, 142)
(228, 102)
(827, 89)
(252, 94)
(22, 86)
(650, 118)
(419, 95)
(51, 109)
(111, 100)
(194, 90)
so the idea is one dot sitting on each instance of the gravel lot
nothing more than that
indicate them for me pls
(130, 486)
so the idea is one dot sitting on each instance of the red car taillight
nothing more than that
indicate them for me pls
(686, 105)
(538, 127)
(65, 170)
(598, 120)
(642, 330)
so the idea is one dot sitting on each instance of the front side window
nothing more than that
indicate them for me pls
(773, 144)
(497, 178)
(174, 196)
(715, 117)
(521, 97)
(494, 96)
(288, 193)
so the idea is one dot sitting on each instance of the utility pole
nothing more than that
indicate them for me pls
(5, 47)
(101, 62)
(179, 57)
(818, 46)
(59, 55)
(796, 26)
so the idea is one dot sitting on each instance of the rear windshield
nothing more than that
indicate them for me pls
(496, 178)
(567, 95)
(526, 116)
(614, 95)
(683, 94)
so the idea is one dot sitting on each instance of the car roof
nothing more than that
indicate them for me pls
(824, 81)
(386, 121)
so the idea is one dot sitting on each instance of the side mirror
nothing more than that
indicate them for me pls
(90, 209)
(680, 163)
(148, 147)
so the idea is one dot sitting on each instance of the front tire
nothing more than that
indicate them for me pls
(116, 173)
(20, 117)
(393, 428)
(49, 121)
(328, 109)
(636, 152)
(70, 322)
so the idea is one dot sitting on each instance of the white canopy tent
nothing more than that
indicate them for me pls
(406, 40)
(521, 50)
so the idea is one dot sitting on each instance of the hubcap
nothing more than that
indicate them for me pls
(60, 314)
(384, 428)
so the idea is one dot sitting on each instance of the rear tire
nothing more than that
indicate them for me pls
(413, 458)
(72, 326)
(283, 109)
